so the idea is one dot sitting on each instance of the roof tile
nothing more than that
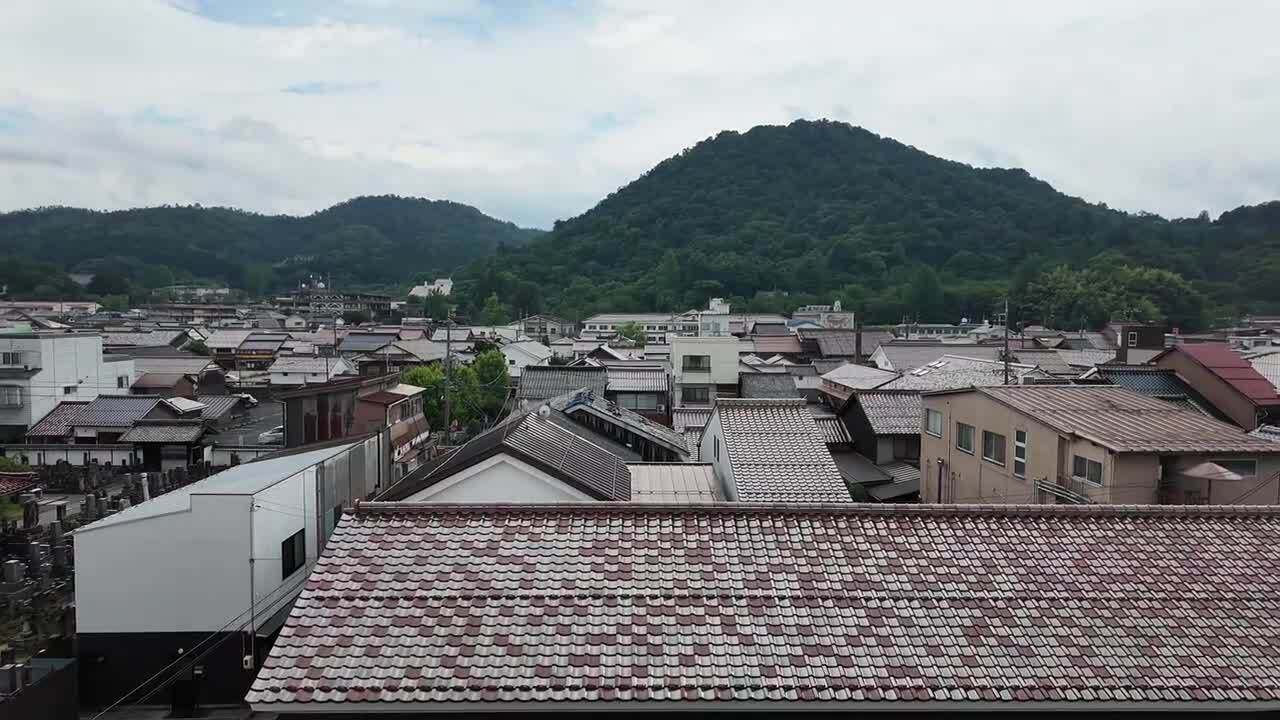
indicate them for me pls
(776, 452)
(599, 605)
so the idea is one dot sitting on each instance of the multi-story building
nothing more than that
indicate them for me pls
(546, 328)
(658, 327)
(40, 370)
(704, 368)
(1087, 444)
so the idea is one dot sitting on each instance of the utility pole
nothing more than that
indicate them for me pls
(1006, 341)
(448, 375)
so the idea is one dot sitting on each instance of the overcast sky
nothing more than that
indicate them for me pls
(535, 111)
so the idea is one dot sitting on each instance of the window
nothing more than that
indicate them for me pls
(68, 389)
(933, 422)
(293, 553)
(697, 395)
(697, 363)
(716, 444)
(10, 358)
(10, 396)
(993, 447)
(964, 437)
(1133, 339)
(1020, 453)
(634, 401)
(511, 361)
(1085, 469)
(122, 381)
(1244, 468)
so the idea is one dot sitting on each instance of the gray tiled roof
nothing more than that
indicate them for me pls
(114, 411)
(776, 452)
(895, 412)
(952, 371)
(167, 432)
(609, 411)
(613, 607)
(637, 380)
(542, 382)
(366, 342)
(578, 456)
(693, 441)
(215, 406)
(687, 417)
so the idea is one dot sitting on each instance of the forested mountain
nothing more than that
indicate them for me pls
(822, 210)
(366, 242)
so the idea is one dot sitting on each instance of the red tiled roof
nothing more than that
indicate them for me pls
(12, 483)
(1227, 364)
(438, 607)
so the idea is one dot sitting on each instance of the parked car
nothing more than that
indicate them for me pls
(247, 399)
(273, 436)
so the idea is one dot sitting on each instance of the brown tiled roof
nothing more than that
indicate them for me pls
(433, 607)
(54, 424)
(1124, 421)
(113, 411)
(892, 412)
(776, 452)
(769, 345)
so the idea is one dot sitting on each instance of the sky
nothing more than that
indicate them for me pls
(535, 111)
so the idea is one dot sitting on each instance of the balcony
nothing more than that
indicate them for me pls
(1069, 490)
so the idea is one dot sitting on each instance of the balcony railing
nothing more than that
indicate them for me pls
(1071, 490)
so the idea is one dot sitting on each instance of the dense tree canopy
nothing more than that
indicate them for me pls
(816, 211)
(366, 242)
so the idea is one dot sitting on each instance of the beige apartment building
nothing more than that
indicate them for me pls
(1095, 444)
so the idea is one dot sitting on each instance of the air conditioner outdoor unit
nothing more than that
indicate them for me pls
(247, 662)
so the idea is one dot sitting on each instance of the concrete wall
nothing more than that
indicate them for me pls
(72, 454)
(65, 361)
(182, 572)
(500, 479)
(723, 352)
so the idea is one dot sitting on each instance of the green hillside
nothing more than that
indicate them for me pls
(822, 210)
(364, 242)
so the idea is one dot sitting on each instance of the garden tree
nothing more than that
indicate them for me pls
(633, 331)
(430, 377)
(199, 348)
(492, 384)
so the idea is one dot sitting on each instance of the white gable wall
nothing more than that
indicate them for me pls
(504, 479)
(712, 436)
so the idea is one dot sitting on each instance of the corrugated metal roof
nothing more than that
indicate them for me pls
(366, 342)
(687, 417)
(1231, 368)
(774, 345)
(1124, 421)
(611, 412)
(859, 377)
(832, 429)
(427, 608)
(777, 453)
(896, 412)
(674, 483)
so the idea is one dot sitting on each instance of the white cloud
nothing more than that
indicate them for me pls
(535, 112)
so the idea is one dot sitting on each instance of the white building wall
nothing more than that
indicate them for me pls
(187, 571)
(500, 479)
(67, 361)
(712, 436)
(280, 511)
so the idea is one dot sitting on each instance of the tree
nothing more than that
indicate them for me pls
(492, 384)
(634, 332)
(924, 296)
(493, 312)
(355, 317)
(8, 464)
(199, 348)
(430, 377)
(109, 283)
